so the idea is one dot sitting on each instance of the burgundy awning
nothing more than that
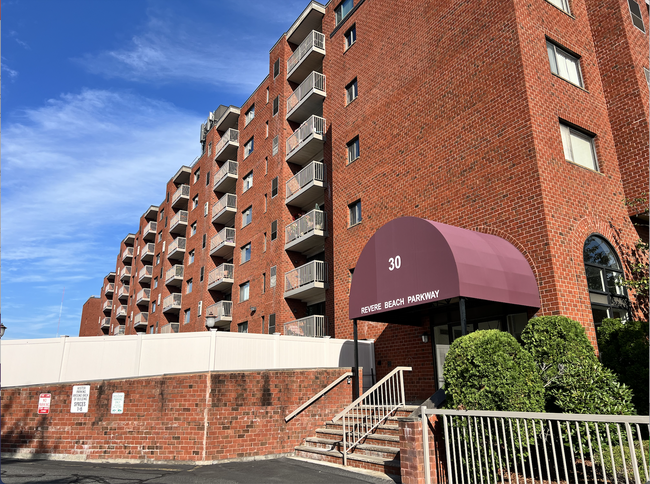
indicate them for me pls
(411, 261)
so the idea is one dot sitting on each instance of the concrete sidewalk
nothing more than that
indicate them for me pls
(288, 470)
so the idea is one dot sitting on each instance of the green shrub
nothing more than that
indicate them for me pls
(624, 350)
(489, 370)
(574, 380)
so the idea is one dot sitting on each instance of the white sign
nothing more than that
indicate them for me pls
(80, 398)
(44, 400)
(117, 402)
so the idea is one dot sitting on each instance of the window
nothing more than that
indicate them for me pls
(205, 209)
(195, 201)
(155, 282)
(635, 11)
(267, 89)
(273, 276)
(187, 316)
(264, 242)
(355, 213)
(267, 130)
(248, 147)
(162, 213)
(247, 216)
(159, 236)
(561, 4)
(250, 114)
(245, 253)
(188, 286)
(271, 323)
(274, 187)
(353, 150)
(197, 175)
(276, 68)
(248, 182)
(262, 324)
(266, 159)
(564, 64)
(193, 229)
(205, 238)
(165, 221)
(604, 274)
(207, 179)
(274, 230)
(343, 10)
(157, 259)
(275, 145)
(276, 105)
(153, 307)
(266, 201)
(350, 37)
(243, 291)
(263, 282)
(200, 308)
(191, 254)
(209, 148)
(578, 147)
(242, 327)
(351, 92)
(202, 275)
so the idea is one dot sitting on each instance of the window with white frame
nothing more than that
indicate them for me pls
(209, 148)
(245, 253)
(343, 10)
(248, 147)
(276, 105)
(350, 36)
(250, 114)
(244, 291)
(248, 182)
(247, 216)
(579, 147)
(195, 202)
(355, 213)
(197, 175)
(635, 12)
(267, 90)
(275, 145)
(353, 150)
(273, 276)
(200, 308)
(267, 130)
(561, 4)
(563, 64)
(193, 229)
(351, 92)
(205, 209)
(191, 257)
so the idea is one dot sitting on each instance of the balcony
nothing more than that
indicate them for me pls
(121, 312)
(146, 254)
(225, 180)
(119, 330)
(306, 234)
(142, 297)
(307, 283)
(123, 293)
(307, 57)
(149, 231)
(176, 249)
(227, 146)
(144, 276)
(307, 141)
(174, 276)
(178, 224)
(125, 274)
(223, 212)
(219, 315)
(110, 288)
(307, 99)
(172, 303)
(181, 197)
(221, 278)
(307, 186)
(223, 243)
(107, 306)
(127, 255)
(311, 326)
(169, 328)
(140, 321)
(105, 323)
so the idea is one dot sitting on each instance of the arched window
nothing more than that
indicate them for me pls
(604, 275)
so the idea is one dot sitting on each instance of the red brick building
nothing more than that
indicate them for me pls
(524, 120)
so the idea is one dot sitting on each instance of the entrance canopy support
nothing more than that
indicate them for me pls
(463, 316)
(355, 371)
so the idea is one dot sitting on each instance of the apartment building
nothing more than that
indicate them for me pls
(523, 120)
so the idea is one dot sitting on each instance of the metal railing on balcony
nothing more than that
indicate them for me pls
(315, 171)
(314, 271)
(176, 272)
(315, 80)
(149, 229)
(305, 225)
(110, 288)
(182, 192)
(121, 312)
(226, 235)
(228, 201)
(178, 245)
(173, 301)
(105, 322)
(125, 273)
(142, 296)
(169, 328)
(127, 254)
(311, 326)
(147, 251)
(313, 40)
(230, 136)
(145, 273)
(119, 329)
(224, 271)
(123, 292)
(178, 219)
(107, 306)
(221, 311)
(229, 168)
(140, 319)
(315, 125)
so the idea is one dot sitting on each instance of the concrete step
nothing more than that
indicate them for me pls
(373, 450)
(378, 439)
(385, 429)
(389, 466)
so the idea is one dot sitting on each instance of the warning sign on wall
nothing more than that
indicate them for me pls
(117, 402)
(44, 400)
(80, 398)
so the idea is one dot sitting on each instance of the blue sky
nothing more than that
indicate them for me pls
(101, 103)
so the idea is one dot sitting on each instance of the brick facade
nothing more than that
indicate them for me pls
(90, 316)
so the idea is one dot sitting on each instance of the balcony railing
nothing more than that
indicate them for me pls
(306, 141)
(224, 210)
(306, 281)
(149, 231)
(125, 273)
(218, 314)
(143, 296)
(310, 225)
(121, 312)
(144, 276)
(314, 172)
(107, 306)
(176, 248)
(119, 329)
(313, 84)
(230, 139)
(105, 323)
(127, 255)
(181, 195)
(314, 42)
(110, 288)
(140, 320)
(223, 242)
(169, 328)
(146, 254)
(221, 277)
(174, 275)
(178, 223)
(123, 292)
(225, 179)
(311, 326)
(172, 302)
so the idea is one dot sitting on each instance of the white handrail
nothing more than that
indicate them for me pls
(317, 396)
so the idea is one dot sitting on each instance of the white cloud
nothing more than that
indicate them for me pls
(5, 68)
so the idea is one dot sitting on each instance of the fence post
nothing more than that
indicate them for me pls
(425, 445)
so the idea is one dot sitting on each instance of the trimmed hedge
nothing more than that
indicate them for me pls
(489, 370)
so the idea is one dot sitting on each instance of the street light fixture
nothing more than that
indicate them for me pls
(2, 330)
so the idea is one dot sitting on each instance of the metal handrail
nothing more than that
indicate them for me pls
(227, 234)
(175, 271)
(314, 220)
(172, 300)
(230, 136)
(315, 171)
(313, 125)
(180, 217)
(314, 271)
(128, 252)
(228, 168)
(110, 287)
(372, 408)
(345, 375)
(229, 200)
(313, 39)
(145, 271)
(142, 295)
(182, 191)
(220, 309)
(177, 244)
(224, 271)
(310, 326)
(315, 80)
(150, 227)
(148, 249)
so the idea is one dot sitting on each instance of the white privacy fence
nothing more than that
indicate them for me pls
(57, 360)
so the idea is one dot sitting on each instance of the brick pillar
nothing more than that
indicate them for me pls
(411, 452)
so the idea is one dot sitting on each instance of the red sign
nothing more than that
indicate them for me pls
(44, 400)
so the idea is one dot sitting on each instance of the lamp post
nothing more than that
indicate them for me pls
(2, 330)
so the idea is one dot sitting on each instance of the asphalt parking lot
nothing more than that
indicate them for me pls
(281, 470)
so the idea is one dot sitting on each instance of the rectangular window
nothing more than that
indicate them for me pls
(162, 213)
(350, 37)
(274, 187)
(266, 201)
(274, 230)
(191, 258)
(351, 92)
(272, 278)
(248, 182)
(202, 275)
(159, 236)
(200, 308)
(193, 229)
(355, 213)
(264, 242)
(561, 4)
(155, 282)
(250, 114)
(245, 253)
(242, 327)
(271, 323)
(243, 291)
(275, 145)
(276, 68)
(578, 147)
(207, 179)
(635, 11)
(343, 10)
(247, 216)
(263, 282)
(188, 286)
(248, 147)
(267, 89)
(157, 259)
(197, 175)
(564, 64)
(153, 307)
(187, 316)
(205, 238)
(353, 150)
(205, 209)
(209, 148)
(276, 105)
(267, 130)
(195, 202)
